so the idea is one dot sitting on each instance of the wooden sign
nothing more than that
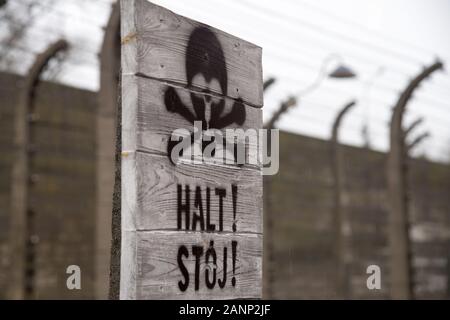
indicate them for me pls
(190, 229)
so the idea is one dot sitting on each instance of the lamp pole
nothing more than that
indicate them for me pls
(366, 98)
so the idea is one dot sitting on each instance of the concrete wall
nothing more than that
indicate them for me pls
(8, 99)
(301, 204)
(63, 194)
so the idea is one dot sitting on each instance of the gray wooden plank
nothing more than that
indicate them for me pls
(169, 65)
(159, 273)
(154, 124)
(156, 46)
(158, 181)
(129, 91)
(128, 265)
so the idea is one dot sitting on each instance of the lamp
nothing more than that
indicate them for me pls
(342, 71)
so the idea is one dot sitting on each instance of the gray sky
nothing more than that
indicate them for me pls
(386, 42)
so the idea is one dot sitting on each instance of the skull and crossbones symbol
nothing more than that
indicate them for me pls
(205, 65)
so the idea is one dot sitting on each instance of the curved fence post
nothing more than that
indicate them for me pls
(21, 248)
(401, 286)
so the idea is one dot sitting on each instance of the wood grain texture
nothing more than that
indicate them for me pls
(156, 48)
(150, 124)
(158, 273)
(128, 266)
(157, 180)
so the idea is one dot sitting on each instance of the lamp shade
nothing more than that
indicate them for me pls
(342, 71)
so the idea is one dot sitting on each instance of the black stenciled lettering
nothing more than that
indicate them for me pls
(224, 280)
(198, 216)
(183, 251)
(197, 251)
(183, 207)
(234, 189)
(209, 225)
(233, 253)
(211, 252)
(221, 193)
